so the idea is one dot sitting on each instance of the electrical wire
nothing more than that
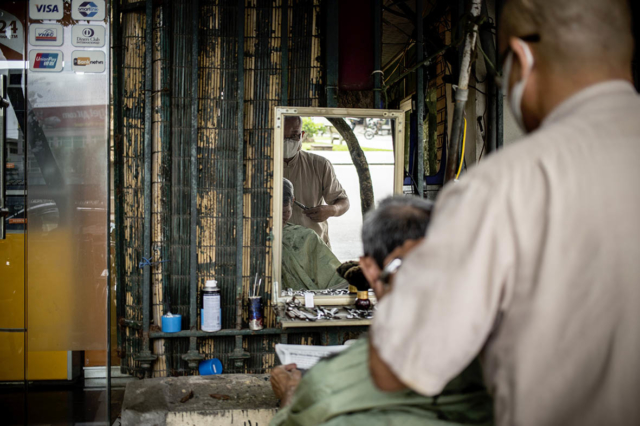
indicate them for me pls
(477, 90)
(464, 139)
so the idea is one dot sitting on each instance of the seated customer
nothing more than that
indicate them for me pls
(339, 390)
(307, 262)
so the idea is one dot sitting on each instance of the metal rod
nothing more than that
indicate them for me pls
(333, 50)
(284, 44)
(108, 249)
(165, 105)
(377, 53)
(499, 119)
(148, 82)
(420, 97)
(118, 166)
(224, 332)
(497, 7)
(3, 149)
(193, 258)
(488, 45)
(462, 93)
(193, 356)
(240, 166)
(238, 354)
(229, 332)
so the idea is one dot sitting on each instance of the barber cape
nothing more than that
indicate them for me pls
(307, 262)
(339, 391)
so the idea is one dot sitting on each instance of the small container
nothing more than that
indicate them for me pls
(210, 367)
(211, 318)
(171, 323)
(255, 313)
(362, 301)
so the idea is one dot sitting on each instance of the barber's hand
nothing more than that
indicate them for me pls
(284, 381)
(320, 213)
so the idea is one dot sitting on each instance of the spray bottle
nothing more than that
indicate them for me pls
(211, 320)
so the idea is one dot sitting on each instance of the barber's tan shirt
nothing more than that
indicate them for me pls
(533, 260)
(314, 183)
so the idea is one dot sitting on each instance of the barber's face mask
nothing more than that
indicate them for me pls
(291, 147)
(515, 95)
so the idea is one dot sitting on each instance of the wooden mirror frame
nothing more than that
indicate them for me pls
(398, 177)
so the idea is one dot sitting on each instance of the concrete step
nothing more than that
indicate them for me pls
(239, 399)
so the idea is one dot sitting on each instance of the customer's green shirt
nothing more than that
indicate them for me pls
(307, 262)
(339, 391)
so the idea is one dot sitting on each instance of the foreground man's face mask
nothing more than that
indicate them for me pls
(291, 147)
(515, 95)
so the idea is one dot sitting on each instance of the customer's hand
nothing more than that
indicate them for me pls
(320, 213)
(284, 381)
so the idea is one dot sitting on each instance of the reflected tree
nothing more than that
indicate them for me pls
(367, 201)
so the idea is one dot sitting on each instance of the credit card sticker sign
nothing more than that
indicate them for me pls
(89, 61)
(45, 61)
(91, 10)
(45, 34)
(46, 9)
(88, 36)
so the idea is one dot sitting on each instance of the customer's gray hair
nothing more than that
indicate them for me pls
(287, 192)
(396, 220)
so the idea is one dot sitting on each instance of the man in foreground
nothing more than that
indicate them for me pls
(339, 390)
(314, 179)
(520, 264)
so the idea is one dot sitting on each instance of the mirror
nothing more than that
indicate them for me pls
(336, 161)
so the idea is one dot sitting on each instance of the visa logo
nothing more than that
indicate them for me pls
(46, 60)
(47, 8)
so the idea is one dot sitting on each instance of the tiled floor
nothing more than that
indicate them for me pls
(68, 405)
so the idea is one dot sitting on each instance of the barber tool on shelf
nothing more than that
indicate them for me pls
(211, 311)
(255, 306)
(327, 292)
(296, 310)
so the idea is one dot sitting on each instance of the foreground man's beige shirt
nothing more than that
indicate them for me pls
(314, 181)
(533, 258)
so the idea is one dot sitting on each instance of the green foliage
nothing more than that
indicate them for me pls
(310, 128)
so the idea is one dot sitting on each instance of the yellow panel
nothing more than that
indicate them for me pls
(47, 366)
(67, 289)
(12, 281)
(11, 357)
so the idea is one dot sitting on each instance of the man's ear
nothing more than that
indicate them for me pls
(523, 58)
(370, 269)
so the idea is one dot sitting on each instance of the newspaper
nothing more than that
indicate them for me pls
(305, 356)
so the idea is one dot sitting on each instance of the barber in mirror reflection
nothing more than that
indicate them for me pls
(307, 262)
(319, 195)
